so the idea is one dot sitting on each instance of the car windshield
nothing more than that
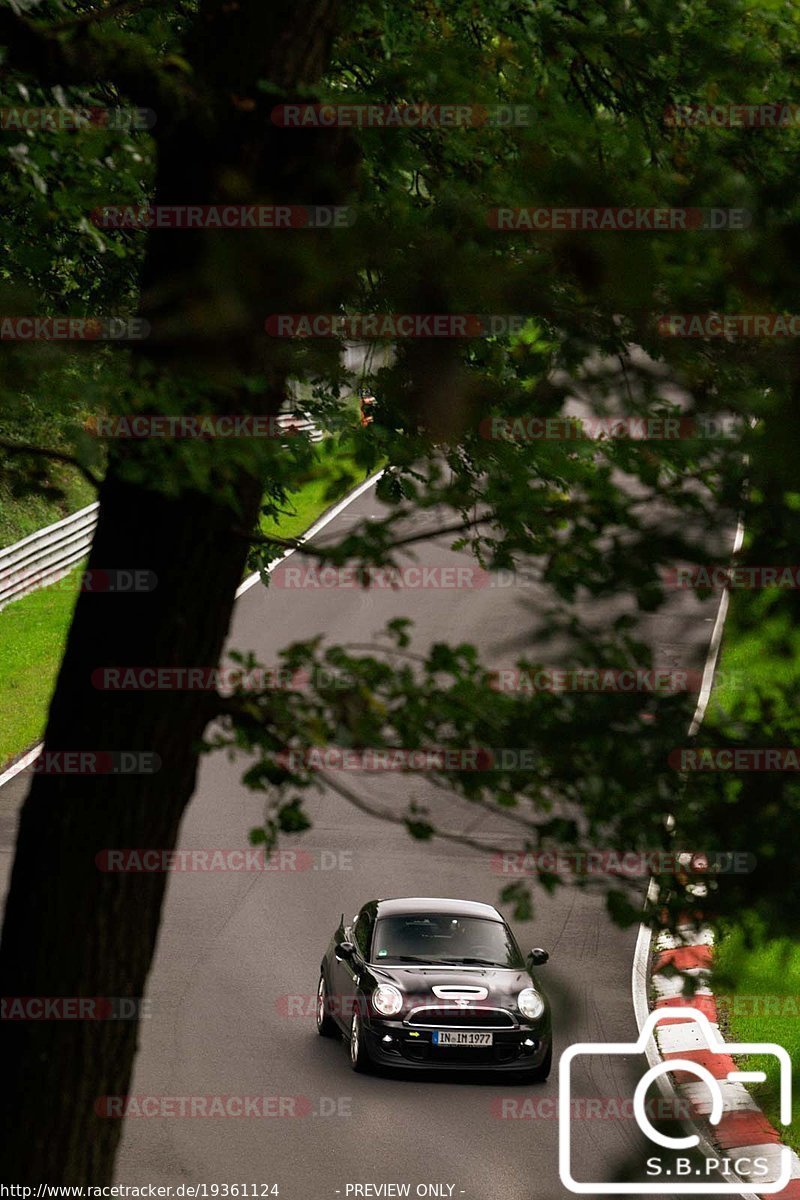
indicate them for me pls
(445, 938)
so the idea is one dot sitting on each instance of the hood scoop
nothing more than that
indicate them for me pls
(445, 992)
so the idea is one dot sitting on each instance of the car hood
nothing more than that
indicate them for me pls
(501, 983)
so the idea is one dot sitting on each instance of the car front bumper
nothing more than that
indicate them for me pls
(393, 1044)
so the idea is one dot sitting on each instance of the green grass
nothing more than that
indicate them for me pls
(33, 630)
(765, 1007)
(21, 515)
(758, 986)
(759, 662)
(335, 474)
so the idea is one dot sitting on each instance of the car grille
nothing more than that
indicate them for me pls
(468, 1056)
(440, 1016)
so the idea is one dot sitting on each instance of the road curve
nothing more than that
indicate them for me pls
(238, 950)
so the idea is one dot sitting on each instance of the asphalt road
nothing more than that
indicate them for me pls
(238, 950)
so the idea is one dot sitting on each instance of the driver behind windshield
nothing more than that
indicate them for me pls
(445, 939)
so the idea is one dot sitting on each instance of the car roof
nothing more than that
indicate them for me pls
(402, 905)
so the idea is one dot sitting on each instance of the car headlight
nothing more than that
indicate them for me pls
(530, 1003)
(387, 1000)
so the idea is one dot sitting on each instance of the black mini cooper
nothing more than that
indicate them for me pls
(424, 984)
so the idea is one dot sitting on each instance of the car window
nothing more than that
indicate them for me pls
(442, 937)
(362, 930)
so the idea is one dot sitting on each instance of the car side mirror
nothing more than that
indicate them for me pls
(345, 950)
(538, 957)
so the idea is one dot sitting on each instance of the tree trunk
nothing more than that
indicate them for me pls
(70, 929)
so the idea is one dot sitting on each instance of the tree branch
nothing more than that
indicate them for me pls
(100, 14)
(83, 57)
(264, 539)
(517, 818)
(22, 448)
(443, 531)
(383, 814)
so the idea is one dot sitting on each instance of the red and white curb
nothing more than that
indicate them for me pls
(743, 1132)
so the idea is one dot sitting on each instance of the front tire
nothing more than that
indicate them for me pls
(359, 1055)
(326, 1026)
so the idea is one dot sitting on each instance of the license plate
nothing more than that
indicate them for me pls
(444, 1037)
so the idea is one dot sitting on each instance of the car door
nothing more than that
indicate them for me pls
(343, 976)
(336, 973)
(352, 972)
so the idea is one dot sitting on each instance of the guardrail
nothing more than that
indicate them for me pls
(295, 423)
(49, 554)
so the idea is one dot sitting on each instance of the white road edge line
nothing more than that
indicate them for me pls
(21, 764)
(641, 954)
(324, 520)
(714, 645)
(312, 532)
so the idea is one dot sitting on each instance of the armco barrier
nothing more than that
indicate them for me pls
(49, 554)
(300, 423)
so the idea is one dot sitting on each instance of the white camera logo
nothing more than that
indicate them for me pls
(715, 1044)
